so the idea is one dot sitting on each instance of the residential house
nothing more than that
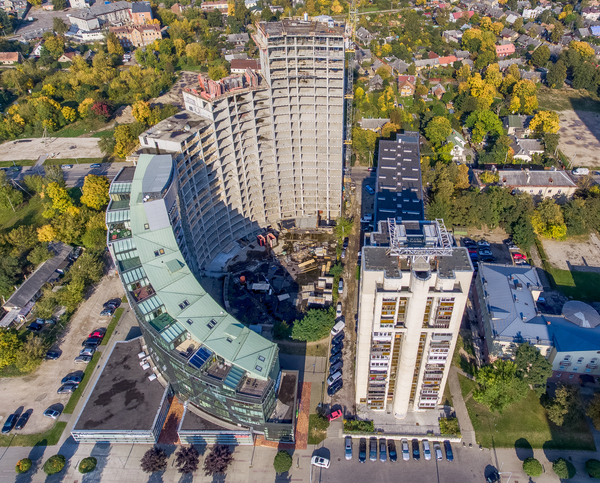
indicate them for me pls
(137, 35)
(454, 16)
(15, 7)
(37, 51)
(178, 9)
(517, 125)
(462, 54)
(364, 35)
(524, 149)
(398, 66)
(446, 61)
(375, 83)
(452, 36)
(251, 4)
(543, 184)
(505, 50)
(534, 76)
(377, 63)
(362, 55)
(141, 13)
(508, 34)
(583, 33)
(531, 14)
(406, 85)
(238, 39)
(374, 125)
(458, 146)
(9, 58)
(591, 13)
(512, 18)
(220, 5)
(595, 30)
(115, 13)
(79, 3)
(505, 64)
(68, 56)
(438, 91)
(239, 66)
(425, 63)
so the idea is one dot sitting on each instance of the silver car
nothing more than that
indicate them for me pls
(348, 447)
(405, 450)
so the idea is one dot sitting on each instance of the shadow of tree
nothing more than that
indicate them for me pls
(523, 449)
(100, 451)
(36, 456)
(68, 449)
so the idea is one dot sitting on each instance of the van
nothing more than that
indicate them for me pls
(581, 171)
(337, 328)
(334, 377)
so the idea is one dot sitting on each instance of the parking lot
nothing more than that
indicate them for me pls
(59, 148)
(37, 391)
(43, 21)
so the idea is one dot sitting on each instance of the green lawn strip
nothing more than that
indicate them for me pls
(20, 162)
(584, 286)
(29, 213)
(104, 134)
(61, 161)
(70, 407)
(80, 127)
(49, 438)
(315, 436)
(567, 99)
(524, 423)
(111, 327)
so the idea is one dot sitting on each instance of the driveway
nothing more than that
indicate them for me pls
(37, 391)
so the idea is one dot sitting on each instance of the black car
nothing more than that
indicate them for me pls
(345, 245)
(335, 358)
(449, 454)
(335, 387)
(107, 312)
(467, 242)
(52, 355)
(392, 450)
(362, 450)
(76, 253)
(415, 450)
(22, 420)
(71, 379)
(92, 341)
(335, 349)
(9, 424)
(338, 343)
(493, 477)
(338, 337)
(35, 327)
(112, 303)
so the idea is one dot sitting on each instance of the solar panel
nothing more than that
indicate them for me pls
(200, 357)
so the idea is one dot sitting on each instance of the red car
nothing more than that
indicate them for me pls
(335, 415)
(97, 334)
(519, 256)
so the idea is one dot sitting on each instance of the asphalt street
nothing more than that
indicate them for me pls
(75, 175)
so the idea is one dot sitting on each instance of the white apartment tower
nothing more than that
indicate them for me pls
(414, 287)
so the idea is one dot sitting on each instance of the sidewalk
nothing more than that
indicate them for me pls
(464, 421)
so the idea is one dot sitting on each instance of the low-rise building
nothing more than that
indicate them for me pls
(364, 35)
(458, 146)
(374, 125)
(239, 66)
(542, 184)
(591, 13)
(7, 58)
(220, 5)
(137, 35)
(141, 13)
(452, 35)
(505, 50)
(517, 125)
(406, 88)
(524, 149)
(238, 39)
(375, 83)
(115, 13)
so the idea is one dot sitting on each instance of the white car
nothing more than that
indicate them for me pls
(51, 413)
(438, 452)
(341, 287)
(581, 171)
(426, 450)
(338, 310)
(66, 166)
(405, 450)
(319, 461)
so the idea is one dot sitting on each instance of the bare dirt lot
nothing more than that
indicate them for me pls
(580, 137)
(186, 79)
(63, 148)
(581, 254)
(43, 21)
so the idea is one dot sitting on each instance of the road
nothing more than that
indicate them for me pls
(75, 175)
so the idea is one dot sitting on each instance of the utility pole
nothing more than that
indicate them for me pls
(11, 205)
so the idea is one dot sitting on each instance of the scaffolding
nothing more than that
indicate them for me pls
(435, 243)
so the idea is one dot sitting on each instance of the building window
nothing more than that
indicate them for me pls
(558, 374)
(567, 358)
(559, 191)
(588, 370)
(575, 368)
(571, 376)
(580, 360)
(184, 304)
(562, 368)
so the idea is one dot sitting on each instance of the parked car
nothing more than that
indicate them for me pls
(382, 450)
(335, 387)
(485, 252)
(438, 452)
(336, 349)
(9, 424)
(22, 420)
(448, 448)
(362, 450)
(35, 327)
(338, 337)
(52, 355)
(373, 449)
(319, 461)
(472, 250)
(487, 259)
(338, 310)
(341, 287)
(581, 171)
(405, 451)
(83, 359)
(73, 379)
(87, 351)
(335, 415)
(92, 341)
(348, 448)
(66, 166)
(343, 255)
(333, 368)
(519, 256)
(392, 450)
(416, 452)
(67, 388)
(97, 334)
(483, 243)
(426, 450)
(370, 168)
(346, 241)
(95, 165)
(112, 303)
(51, 413)
(370, 190)
(334, 377)
(338, 327)
(337, 343)
(467, 242)
(75, 254)
(336, 358)
(107, 313)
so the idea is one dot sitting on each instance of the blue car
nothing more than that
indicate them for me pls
(449, 454)
(95, 165)
(362, 452)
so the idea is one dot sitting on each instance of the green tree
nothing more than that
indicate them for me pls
(282, 462)
(23, 465)
(564, 469)
(532, 467)
(87, 465)
(6, 23)
(592, 467)
(565, 407)
(10, 345)
(10, 269)
(593, 410)
(54, 464)
(54, 174)
(217, 72)
(59, 26)
(483, 123)
(438, 129)
(95, 191)
(540, 56)
(584, 77)
(533, 367)
(343, 228)
(9, 196)
(548, 221)
(59, 4)
(498, 385)
(61, 201)
(31, 354)
(315, 325)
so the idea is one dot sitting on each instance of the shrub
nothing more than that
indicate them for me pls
(449, 426)
(155, 459)
(23, 466)
(532, 467)
(282, 462)
(55, 464)
(87, 464)
(353, 425)
(564, 469)
(592, 467)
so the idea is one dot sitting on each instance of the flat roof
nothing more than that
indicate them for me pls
(123, 399)
(459, 261)
(300, 27)
(174, 128)
(378, 258)
(193, 421)
(125, 175)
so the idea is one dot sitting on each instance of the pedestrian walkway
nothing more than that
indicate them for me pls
(466, 427)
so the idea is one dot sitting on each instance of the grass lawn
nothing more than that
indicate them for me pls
(20, 162)
(523, 423)
(301, 349)
(80, 127)
(28, 213)
(447, 399)
(584, 286)
(49, 438)
(70, 407)
(111, 327)
(61, 161)
(315, 436)
(567, 99)
(104, 134)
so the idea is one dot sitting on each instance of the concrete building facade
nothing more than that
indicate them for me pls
(413, 290)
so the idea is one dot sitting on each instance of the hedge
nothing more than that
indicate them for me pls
(532, 467)
(87, 464)
(55, 464)
(23, 466)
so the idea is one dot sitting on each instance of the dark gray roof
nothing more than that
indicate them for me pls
(536, 178)
(37, 279)
(123, 399)
(125, 175)
(138, 7)
(378, 258)
(459, 261)
(399, 190)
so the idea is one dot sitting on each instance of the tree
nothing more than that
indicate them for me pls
(545, 122)
(540, 56)
(154, 460)
(61, 201)
(584, 49)
(532, 467)
(498, 386)
(101, 110)
(141, 111)
(107, 145)
(564, 469)
(315, 325)
(482, 123)
(438, 129)
(113, 44)
(282, 462)
(59, 26)
(87, 465)
(550, 142)
(557, 73)
(533, 367)
(95, 191)
(186, 459)
(46, 233)
(23, 466)
(462, 179)
(31, 354)
(548, 221)
(592, 467)
(9, 196)
(54, 464)
(59, 4)
(124, 140)
(593, 410)
(217, 461)
(487, 177)
(217, 72)
(10, 345)
(54, 174)
(565, 407)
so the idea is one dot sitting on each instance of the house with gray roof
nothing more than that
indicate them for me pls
(524, 149)
(540, 184)
(505, 64)
(458, 146)
(364, 35)
(375, 83)
(582, 33)
(373, 124)
(517, 125)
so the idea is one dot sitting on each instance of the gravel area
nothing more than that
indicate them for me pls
(580, 137)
